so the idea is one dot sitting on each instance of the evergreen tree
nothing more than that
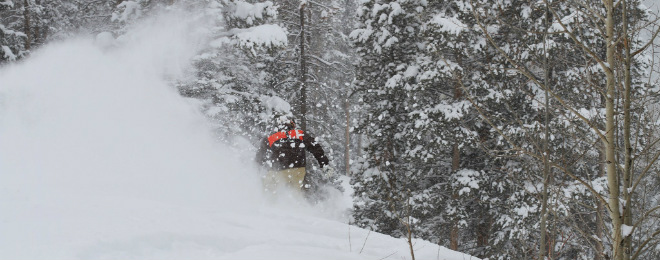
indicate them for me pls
(231, 75)
(27, 25)
(421, 150)
(12, 39)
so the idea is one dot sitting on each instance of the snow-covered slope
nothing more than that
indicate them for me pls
(101, 159)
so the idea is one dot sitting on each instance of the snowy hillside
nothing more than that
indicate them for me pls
(101, 159)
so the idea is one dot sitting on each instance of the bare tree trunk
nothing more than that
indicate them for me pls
(610, 140)
(483, 230)
(27, 27)
(627, 174)
(600, 209)
(359, 145)
(347, 134)
(543, 247)
(455, 164)
(410, 230)
(303, 72)
(37, 37)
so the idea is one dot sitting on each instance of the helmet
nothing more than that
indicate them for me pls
(285, 123)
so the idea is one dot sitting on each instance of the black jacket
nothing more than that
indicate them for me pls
(286, 149)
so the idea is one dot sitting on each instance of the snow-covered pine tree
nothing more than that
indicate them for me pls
(126, 12)
(90, 16)
(418, 139)
(386, 38)
(12, 37)
(21, 24)
(232, 73)
(28, 24)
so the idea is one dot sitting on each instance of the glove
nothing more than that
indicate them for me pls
(328, 171)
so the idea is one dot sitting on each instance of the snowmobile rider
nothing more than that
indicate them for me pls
(283, 154)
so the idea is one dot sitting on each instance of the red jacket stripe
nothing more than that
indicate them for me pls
(281, 135)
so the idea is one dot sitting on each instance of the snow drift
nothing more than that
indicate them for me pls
(101, 159)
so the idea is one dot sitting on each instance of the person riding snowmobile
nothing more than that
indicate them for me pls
(283, 154)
